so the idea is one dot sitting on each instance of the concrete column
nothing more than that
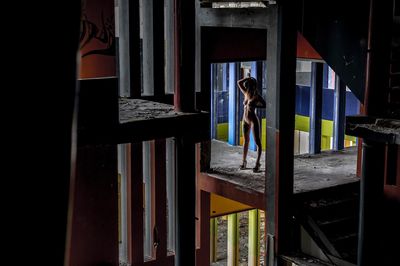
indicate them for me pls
(233, 112)
(233, 240)
(371, 198)
(339, 113)
(254, 238)
(213, 239)
(122, 32)
(280, 113)
(147, 46)
(134, 53)
(252, 145)
(316, 107)
(158, 38)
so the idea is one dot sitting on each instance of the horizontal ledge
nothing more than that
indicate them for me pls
(141, 120)
(384, 130)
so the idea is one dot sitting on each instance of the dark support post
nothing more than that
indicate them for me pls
(158, 47)
(371, 199)
(204, 253)
(213, 108)
(185, 43)
(281, 82)
(136, 204)
(339, 114)
(134, 49)
(233, 112)
(260, 77)
(186, 202)
(160, 230)
(390, 164)
(370, 245)
(224, 76)
(316, 107)
(254, 71)
(94, 230)
(184, 101)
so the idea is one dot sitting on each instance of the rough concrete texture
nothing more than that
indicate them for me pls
(136, 109)
(311, 172)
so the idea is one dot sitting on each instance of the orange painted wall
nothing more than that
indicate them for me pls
(305, 50)
(97, 40)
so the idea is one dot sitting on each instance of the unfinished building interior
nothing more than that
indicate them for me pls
(144, 158)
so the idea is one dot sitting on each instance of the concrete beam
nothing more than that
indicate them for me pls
(241, 18)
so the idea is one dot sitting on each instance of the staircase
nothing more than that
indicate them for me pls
(330, 217)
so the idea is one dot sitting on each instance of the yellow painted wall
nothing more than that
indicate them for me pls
(222, 206)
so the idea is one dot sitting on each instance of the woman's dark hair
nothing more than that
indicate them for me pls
(250, 84)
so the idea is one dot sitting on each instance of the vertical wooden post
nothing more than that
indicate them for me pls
(233, 240)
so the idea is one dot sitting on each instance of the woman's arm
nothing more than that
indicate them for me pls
(261, 102)
(241, 86)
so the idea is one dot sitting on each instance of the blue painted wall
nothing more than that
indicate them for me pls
(303, 102)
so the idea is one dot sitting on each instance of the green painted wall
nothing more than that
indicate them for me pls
(302, 123)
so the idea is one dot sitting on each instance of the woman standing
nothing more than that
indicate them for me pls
(252, 100)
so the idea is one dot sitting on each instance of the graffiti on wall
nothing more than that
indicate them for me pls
(97, 39)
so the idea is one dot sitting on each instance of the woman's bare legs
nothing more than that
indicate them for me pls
(246, 135)
(257, 139)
